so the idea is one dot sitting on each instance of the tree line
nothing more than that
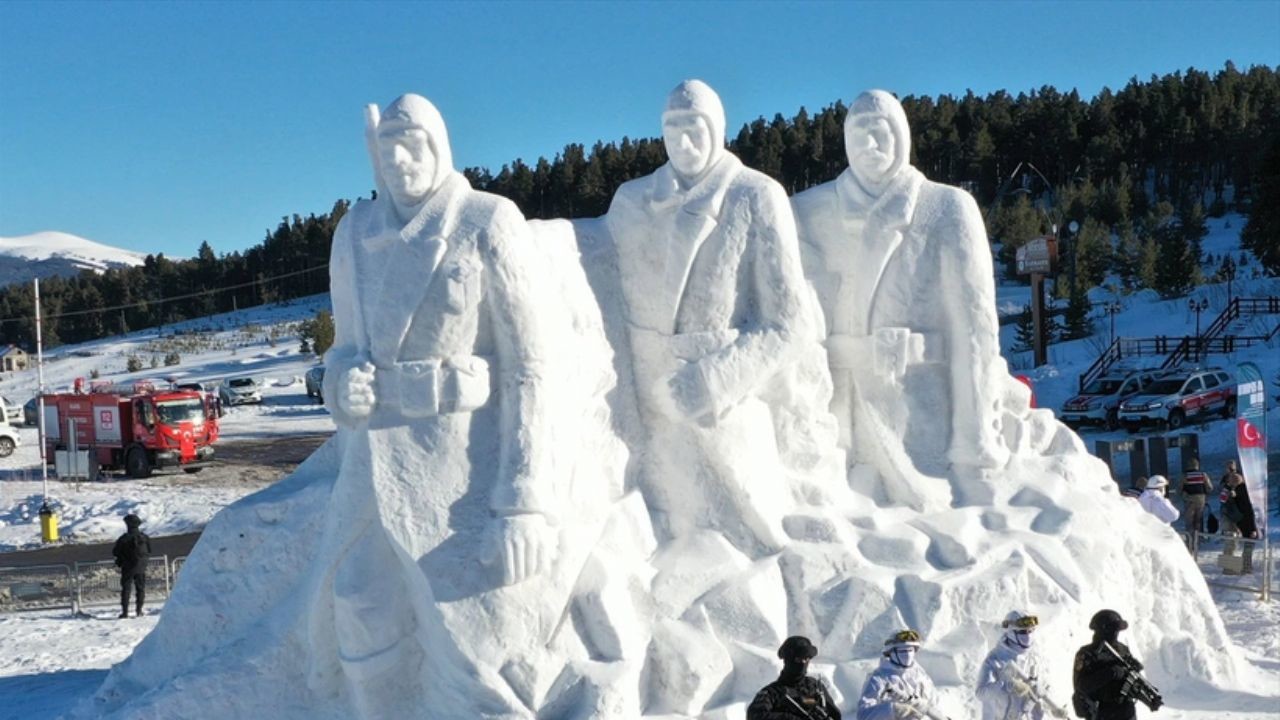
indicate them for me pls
(1138, 170)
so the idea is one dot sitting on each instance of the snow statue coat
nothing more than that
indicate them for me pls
(1155, 502)
(905, 281)
(890, 684)
(718, 311)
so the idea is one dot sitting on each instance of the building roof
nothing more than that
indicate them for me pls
(11, 348)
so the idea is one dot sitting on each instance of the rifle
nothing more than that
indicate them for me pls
(917, 704)
(814, 712)
(1135, 686)
(1037, 696)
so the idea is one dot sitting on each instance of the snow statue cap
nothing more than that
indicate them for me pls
(797, 647)
(132, 521)
(411, 111)
(1019, 628)
(1156, 482)
(694, 98)
(878, 103)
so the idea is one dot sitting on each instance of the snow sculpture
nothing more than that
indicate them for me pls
(719, 316)
(466, 545)
(904, 275)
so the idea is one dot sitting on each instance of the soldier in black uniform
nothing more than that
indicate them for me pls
(132, 550)
(794, 694)
(1099, 675)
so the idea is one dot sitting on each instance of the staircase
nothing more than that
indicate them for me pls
(1221, 337)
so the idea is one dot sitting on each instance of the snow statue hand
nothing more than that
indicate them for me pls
(355, 392)
(526, 544)
(1020, 688)
(688, 391)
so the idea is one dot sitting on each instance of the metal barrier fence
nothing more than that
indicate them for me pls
(1236, 563)
(98, 583)
(54, 587)
(36, 588)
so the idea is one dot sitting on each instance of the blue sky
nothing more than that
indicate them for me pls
(155, 126)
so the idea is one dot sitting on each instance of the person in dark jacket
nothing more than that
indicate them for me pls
(794, 694)
(1099, 675)
(132, 550)
(1237, 508)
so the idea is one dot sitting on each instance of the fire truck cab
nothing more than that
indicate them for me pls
(133, 427)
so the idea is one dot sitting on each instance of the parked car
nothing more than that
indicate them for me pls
(239, 391)
(1179, 396)
(315, 382)
(9, 440)
(12, 412)
(31, 412)
(1099, 402)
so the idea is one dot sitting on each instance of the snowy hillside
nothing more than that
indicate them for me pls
(46, 254)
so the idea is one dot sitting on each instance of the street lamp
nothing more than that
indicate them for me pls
(1112, 307)
(1197, 307)
(1229, 269)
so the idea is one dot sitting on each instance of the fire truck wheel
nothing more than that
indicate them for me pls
(6, 447)
(137, 464)
(191, 470)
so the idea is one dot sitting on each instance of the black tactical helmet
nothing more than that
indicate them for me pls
(132, 521)
(797, 647)
(1107, 620)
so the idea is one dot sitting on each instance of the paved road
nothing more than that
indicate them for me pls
(173, 546)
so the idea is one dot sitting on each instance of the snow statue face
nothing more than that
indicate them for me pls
(408, 165)
(870, 145)
(411, 152)
(688, 141)
(877, 139)
(693, 129)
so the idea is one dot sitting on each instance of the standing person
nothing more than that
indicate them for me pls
(132, 550)
(899, 688)
(1153, 499)
(1010, 683)
(1237, 514)
(1196, 486)
(1101, 675)
(794, 694)
(1230, 478)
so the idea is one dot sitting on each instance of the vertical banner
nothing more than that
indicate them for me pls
(1251, 437)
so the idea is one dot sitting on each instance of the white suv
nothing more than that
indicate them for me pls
(239, 390)
(1099, 402)
(1173, 399)
(9, 440)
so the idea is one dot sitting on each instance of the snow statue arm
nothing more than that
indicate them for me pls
(781, 322)
(973, 346)
(523, 500)
(348, 379)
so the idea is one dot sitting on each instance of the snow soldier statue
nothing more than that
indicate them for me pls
(441, 547)
(904, 275)
(718, 314)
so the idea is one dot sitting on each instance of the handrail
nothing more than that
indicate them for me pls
(1210, 341)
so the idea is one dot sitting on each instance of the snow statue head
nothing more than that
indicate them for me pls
(410, 150)
(877, 139)
(901, 648)
(693, 129)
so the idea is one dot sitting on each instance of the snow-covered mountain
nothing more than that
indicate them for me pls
(46, 254)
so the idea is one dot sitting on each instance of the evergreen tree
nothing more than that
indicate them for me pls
(1261, 235)
(1077, 324)
(1024, 333)
(1177, 270)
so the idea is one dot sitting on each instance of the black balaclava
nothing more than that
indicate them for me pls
(1106, 625)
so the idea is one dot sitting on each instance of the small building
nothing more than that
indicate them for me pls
(13, 359)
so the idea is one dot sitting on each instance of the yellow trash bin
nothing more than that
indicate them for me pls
(48, 524)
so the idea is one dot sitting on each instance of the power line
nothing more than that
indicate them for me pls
(161, 301)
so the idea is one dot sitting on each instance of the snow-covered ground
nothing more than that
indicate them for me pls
(49, 660)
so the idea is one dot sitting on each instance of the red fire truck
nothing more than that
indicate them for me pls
(135, 427)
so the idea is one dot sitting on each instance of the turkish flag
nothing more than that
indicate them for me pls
(1248, 435)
